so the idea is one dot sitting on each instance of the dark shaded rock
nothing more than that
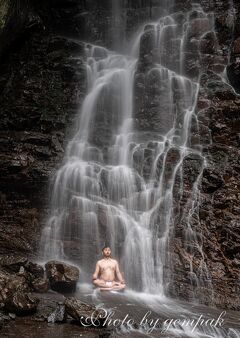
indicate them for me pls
(13, 262)
(233, 73)
(14, 296)
(58, 315)
(211, 181)
(236, 46)
(35, 269)
(62, 277)
(146, 48)
(21, 303)
(40, 285)
(47, 88)
(11, 283)
(83, 312)
(28, 272)
(216, 219)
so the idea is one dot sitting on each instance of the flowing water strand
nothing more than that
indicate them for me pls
(118, 182)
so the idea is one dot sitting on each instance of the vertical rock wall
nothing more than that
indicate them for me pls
(42, 84)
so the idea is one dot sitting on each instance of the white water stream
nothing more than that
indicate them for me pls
(106, 193)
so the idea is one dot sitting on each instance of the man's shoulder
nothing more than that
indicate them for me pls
(100, 261)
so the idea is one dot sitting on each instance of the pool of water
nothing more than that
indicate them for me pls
(131, 314)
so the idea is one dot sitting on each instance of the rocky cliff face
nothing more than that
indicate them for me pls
(42, 83)
(215, 219)
(218, 112)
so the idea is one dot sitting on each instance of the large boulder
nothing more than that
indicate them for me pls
(21, 270)
(62, 277)
(9, 284)
(14, 293)
(86, 314)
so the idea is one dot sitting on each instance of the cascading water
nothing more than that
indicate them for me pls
(120, 184)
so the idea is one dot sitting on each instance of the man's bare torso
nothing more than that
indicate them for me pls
(107, 269)
(107, 276)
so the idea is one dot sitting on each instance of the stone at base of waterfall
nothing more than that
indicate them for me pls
(40, 285)
(84, 313)
(59, 315)
(10, 284)
(14, 293)
(21, 303)
(62, 277)
(12, 263)
(34, 269)
(16, 263)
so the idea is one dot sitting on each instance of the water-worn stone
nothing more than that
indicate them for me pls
(62, 277)
(84, 313)
(35, 269)
(40, 285)
(58, 315)
(14, 293)
(21, 303)
(10, 283)
(13, 262)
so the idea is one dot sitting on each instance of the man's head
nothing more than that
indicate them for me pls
(106, 251)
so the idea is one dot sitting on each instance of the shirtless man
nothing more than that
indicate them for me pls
(106, 269)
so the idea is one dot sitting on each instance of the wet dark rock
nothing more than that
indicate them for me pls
(198, 27)
(236, 46)
(35, 269)
(11, 283)
(41, 85)
(62, 277)
(219, 125)
(3, 318)
(13, 262)
(14, 293)
(211, 181)
(58, 315)
(28, 272)
(146, 48)
(21, 303)
(83, 312)
(40, 285)
(233, 73)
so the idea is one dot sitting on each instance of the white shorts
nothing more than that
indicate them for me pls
(109, 283)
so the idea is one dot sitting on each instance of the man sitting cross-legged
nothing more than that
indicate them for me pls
(106, 269)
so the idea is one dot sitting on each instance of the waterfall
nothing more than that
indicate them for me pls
(120, 183)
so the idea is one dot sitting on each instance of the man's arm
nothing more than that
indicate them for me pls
(97, 270)
(119, 275)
